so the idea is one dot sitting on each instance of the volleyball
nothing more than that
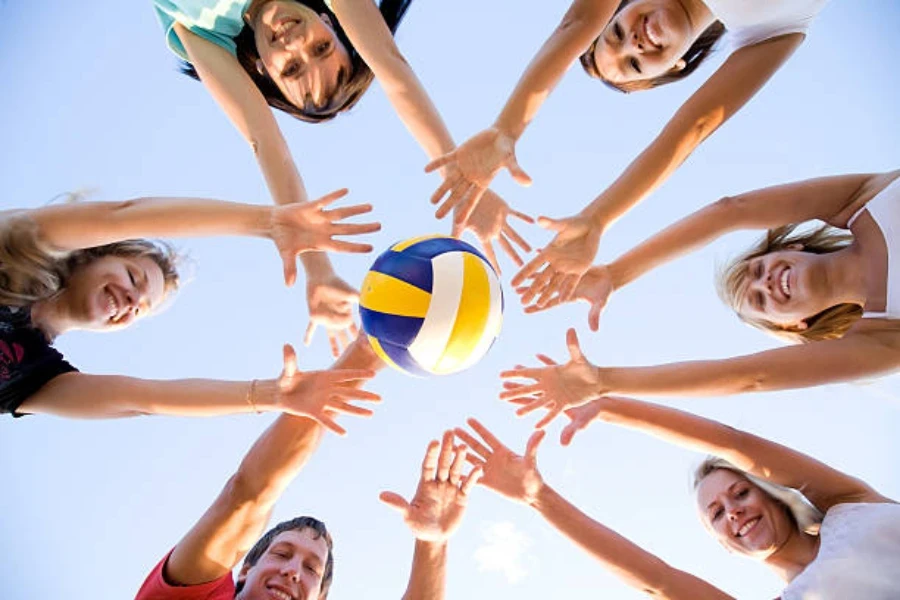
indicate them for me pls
(431, 305)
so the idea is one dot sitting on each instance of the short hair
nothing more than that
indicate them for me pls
(350, 86)
(296, 524)
(831, 323)
(803, 513)
(696, 54)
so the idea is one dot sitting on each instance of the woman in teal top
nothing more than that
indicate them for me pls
(313, 59)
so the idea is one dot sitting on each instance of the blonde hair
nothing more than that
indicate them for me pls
(831, 323)
(806, 516)
(31, 270)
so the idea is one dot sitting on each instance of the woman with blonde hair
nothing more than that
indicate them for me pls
(836, 293)
(631, 45)
(86, 265)
(826, 534)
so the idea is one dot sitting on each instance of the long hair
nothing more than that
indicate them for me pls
(349, 89)
(806, 517)
(31, 271)
(696, 54)
(831, 323)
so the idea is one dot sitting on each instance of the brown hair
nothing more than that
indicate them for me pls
(696, 54)
(831, 323)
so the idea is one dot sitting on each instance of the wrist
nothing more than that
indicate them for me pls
(540, 498)
(617, 275)
(506, 132)
(317, 265)
(263, 396)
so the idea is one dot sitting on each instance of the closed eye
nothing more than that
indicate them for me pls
(635, 65)
(291, 69)
(617, 31)
(323, 49)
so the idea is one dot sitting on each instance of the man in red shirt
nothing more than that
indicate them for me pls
(293, 561)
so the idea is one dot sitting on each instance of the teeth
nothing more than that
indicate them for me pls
(650, 34)
(747, 527)
(112, 306)
(282, 595)
(786, 290)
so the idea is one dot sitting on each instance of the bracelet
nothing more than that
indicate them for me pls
(250, 399)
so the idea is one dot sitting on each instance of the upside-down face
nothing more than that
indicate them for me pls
(291, 568)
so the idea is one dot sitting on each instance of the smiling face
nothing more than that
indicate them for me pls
(644, 40)
(741, 516)
(291, 568)
(784, 287)
(111, 292)
(300, 52)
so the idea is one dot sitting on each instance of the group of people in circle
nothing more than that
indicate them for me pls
(826, 290)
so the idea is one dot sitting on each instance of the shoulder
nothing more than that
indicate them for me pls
(157, 587)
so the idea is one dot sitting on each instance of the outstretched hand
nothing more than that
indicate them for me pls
(306, 226)
(436, 511)
(557, 268)
(555, 387)
(510, 475)
(331, 301)
(490, 222)
(321, 395)
(594, 287)
(581, 417)
(469, 170)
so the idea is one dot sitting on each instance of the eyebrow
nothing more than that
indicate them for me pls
(730, 487)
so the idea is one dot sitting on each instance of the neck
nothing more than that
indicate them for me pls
(51, 316)
(845, 276)
(794, 556)
(698, 14)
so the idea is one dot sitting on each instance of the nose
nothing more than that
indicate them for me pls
(636, 43)
(292, 570)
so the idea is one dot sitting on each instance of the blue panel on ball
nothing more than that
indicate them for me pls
(436, 246)
(402, 358)
(390, 329)
(405, 267)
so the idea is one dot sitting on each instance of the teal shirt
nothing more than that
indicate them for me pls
(219, 21)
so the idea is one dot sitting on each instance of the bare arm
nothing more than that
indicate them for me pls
(823, 485)
(742, 75)
(428, 574)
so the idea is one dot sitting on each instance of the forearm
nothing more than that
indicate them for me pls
(277, 166)
(691, 233)
(85, 225)
(582, 23)
(76, 395)
(428, 575)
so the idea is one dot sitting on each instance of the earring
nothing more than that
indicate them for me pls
(260, 68)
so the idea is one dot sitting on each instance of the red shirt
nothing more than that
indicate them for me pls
(157, 588)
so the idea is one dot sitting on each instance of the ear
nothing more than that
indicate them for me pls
(327, 18)
(679, 65)
(242, 574)
(796, 247)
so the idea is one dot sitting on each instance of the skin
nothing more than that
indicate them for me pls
(294, 563)
(299, 50)
(644, 40)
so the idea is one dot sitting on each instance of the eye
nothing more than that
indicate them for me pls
(617, 31)
(742, 493)
(759, 300)
(292, 69)
(758, 270)
(323, 47)
(131, 277)
(717, 514)
(635, 65)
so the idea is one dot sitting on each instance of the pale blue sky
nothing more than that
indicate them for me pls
(91, 99)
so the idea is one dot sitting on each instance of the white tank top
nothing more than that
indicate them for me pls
(859, 556)
(885, 210)
(751, 21)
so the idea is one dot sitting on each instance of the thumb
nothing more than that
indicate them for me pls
(572, 343)
(290, 360)
(549, 223)
(534, 442)
(565, 438)
(518, 174)
(594, 316)
(290, 268)
(394, 500)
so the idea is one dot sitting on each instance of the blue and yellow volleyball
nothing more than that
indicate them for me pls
(431, 305)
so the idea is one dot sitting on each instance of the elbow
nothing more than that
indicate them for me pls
(660, 581)
(687, 131)
(244, 489)
(754, 382)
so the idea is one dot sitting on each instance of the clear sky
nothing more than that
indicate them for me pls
(91, 100)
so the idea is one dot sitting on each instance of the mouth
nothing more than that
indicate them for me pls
(747, 527)
(281, 27)
(116, 309)
(280, 593)
(651, 34)
(784, 283)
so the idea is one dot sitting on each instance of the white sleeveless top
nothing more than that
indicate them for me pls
(750, 21)
(885, 210)
(859, 556)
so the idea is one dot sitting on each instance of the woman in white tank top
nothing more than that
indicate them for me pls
(748, 499)
(811, 288)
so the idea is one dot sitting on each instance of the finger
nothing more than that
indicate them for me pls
(467, 206)
(594, 316)
(333, 342)
(474, 460)
(440, 161)
(350, 394)
(473, 444)
(550, 290)
(568, 287)
(333, 376)
(430, 462)
(394, 500)
(333, 245)
(522, 392)
(491, 256)
(471, 479)
(289, 356)
(553, 303)
(459, 461)
(534, 442)
(510, 251)
(536, 404)
(354, 331)
(520, 373)
(540, 283)
(310, 330)
(521, 215)
(572, 343)
(348, 409)
(486, 435)
(517, 172)
(546, 360)
(530, 268)
(565, 438)
(329, 423)
(345, 212)
(344, 338)
(445, 187)
(548, 418)
(460, 192)
(550, 223)
(445, 458)
(289, 259)
(354, 228)
(329, 198)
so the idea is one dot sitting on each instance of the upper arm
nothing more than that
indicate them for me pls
(231, 87)
(742, 74)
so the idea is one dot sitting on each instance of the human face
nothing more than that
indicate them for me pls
(291, 568)
(742, 517)
(785, 287)
(300, 52)
(112, 292)
(644, 40)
